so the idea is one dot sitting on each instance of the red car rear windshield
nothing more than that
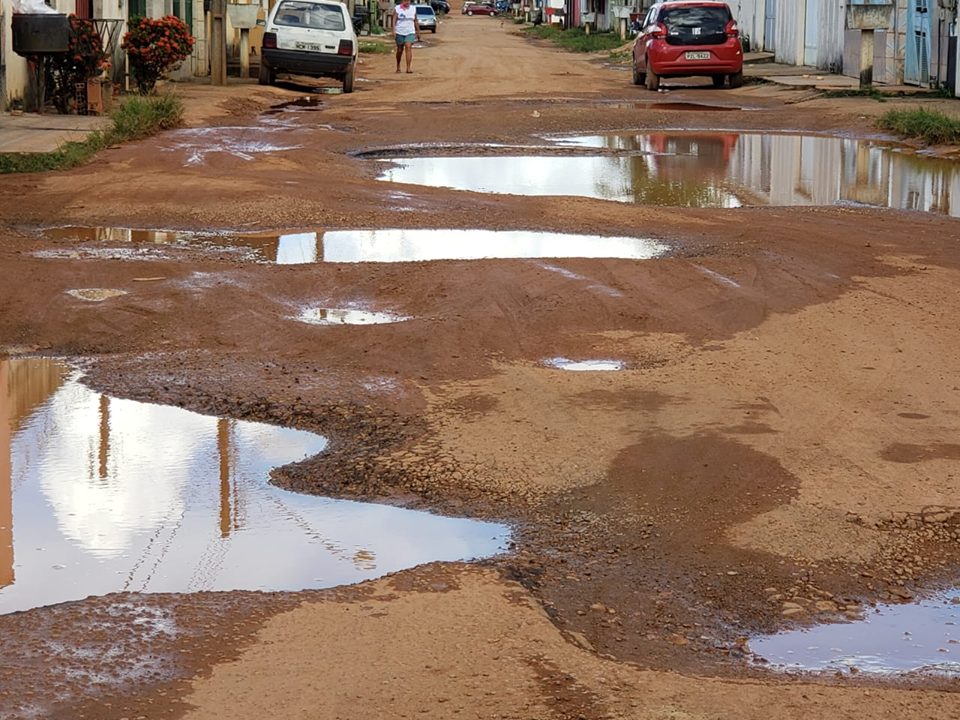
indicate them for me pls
(696, 24)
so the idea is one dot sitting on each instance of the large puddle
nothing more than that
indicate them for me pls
(100, 495)
(706, 169)
(387, 246)
(917, 637)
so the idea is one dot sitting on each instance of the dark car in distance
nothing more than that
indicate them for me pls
(685, 38)
(440, 6)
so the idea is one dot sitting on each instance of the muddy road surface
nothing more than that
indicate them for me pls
(695, 349)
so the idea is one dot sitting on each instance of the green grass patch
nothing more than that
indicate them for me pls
(620, 57)
(931, 126)
(576, 40)
(375, 48)
(135, 118)
(869, 92)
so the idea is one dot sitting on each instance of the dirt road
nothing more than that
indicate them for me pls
(780, 447)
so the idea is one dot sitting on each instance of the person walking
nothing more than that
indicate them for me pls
(406, 29)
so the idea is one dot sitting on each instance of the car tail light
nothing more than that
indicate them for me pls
(660, 31)
(269, 40)
(346, 47)
(732, 30)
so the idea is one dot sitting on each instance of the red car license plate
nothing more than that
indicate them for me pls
(698, 56)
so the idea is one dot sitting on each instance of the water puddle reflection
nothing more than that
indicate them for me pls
(100, 495)
(706, 169)
(561, 363)
(352, 246)
(917, 637)
(346, 316)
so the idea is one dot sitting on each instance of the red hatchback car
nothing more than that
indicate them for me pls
(688, 37)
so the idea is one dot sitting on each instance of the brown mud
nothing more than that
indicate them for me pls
(779, 449)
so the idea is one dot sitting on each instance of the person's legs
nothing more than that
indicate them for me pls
(400, 47)
(409, 55)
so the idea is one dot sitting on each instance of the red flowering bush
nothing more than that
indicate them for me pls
(155, 46)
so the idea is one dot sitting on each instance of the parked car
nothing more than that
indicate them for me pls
(440, 6)
(309, 37)
(426, 18)
(482, 8)
(684, 38)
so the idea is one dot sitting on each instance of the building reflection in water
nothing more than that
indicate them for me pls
(99, 494)
(727, 169)
(24, 386)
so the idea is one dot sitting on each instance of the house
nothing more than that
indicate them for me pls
(919, 49)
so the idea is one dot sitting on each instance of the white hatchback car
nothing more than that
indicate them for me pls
(309, 37)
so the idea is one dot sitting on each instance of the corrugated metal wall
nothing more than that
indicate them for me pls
(831, 37)
(790, 28)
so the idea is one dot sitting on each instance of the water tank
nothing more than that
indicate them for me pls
(36, 33)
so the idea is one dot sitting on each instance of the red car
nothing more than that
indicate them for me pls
(479, 9)
(685, 38)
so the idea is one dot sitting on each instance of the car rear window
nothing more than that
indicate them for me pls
(696, 24)
(318, 16)
(424, 10)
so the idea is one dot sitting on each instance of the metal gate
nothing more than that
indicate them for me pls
(916, 66)
(811, 32)
(770, 26)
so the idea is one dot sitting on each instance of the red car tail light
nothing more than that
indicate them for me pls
(660, 31)
(346, 47)
(732, 30)
(269, 40)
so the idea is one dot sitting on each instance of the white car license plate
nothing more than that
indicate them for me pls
(317, 48)
(698, 56)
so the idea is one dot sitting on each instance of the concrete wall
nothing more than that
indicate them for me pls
(750, 16)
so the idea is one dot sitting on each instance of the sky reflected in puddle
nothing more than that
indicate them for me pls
(706, 169)
(100, 495)
(561, 363)
(922, 636)
(352, 246)
(347, 316)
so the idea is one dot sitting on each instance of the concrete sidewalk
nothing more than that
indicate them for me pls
(31, 133)
(803, 77)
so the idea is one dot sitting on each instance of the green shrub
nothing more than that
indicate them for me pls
(931, 126)
(576, 40)
(375, 48)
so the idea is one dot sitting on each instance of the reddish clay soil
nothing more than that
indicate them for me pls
(780, 448)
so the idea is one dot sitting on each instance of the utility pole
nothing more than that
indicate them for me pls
(218, 42)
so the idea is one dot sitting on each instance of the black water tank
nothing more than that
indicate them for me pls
(36, 33)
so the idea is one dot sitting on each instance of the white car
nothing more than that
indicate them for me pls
(309, 37)
(426, 18)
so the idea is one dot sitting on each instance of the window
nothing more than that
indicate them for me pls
(310, 15)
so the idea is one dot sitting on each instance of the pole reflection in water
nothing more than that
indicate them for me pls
(101, 494)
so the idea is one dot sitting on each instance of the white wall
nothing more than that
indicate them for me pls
(791, 22)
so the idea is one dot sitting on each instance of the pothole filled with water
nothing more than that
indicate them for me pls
(561, 363)
(388, 246)
(95, 294)
(921, 637)
(99, 495)
(706, 169)
(348, 316)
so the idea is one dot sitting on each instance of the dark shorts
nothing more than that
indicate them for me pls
(403, 39)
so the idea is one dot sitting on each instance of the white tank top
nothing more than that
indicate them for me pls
(405, 19)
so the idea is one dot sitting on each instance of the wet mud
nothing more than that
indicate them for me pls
(750, 469)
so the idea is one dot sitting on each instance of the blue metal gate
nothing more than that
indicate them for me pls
(770, 26)
(916, 66)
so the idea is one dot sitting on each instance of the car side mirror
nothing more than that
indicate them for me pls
(262, 23)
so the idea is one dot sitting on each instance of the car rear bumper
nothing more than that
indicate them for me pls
(667, 60)
(300, 62)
